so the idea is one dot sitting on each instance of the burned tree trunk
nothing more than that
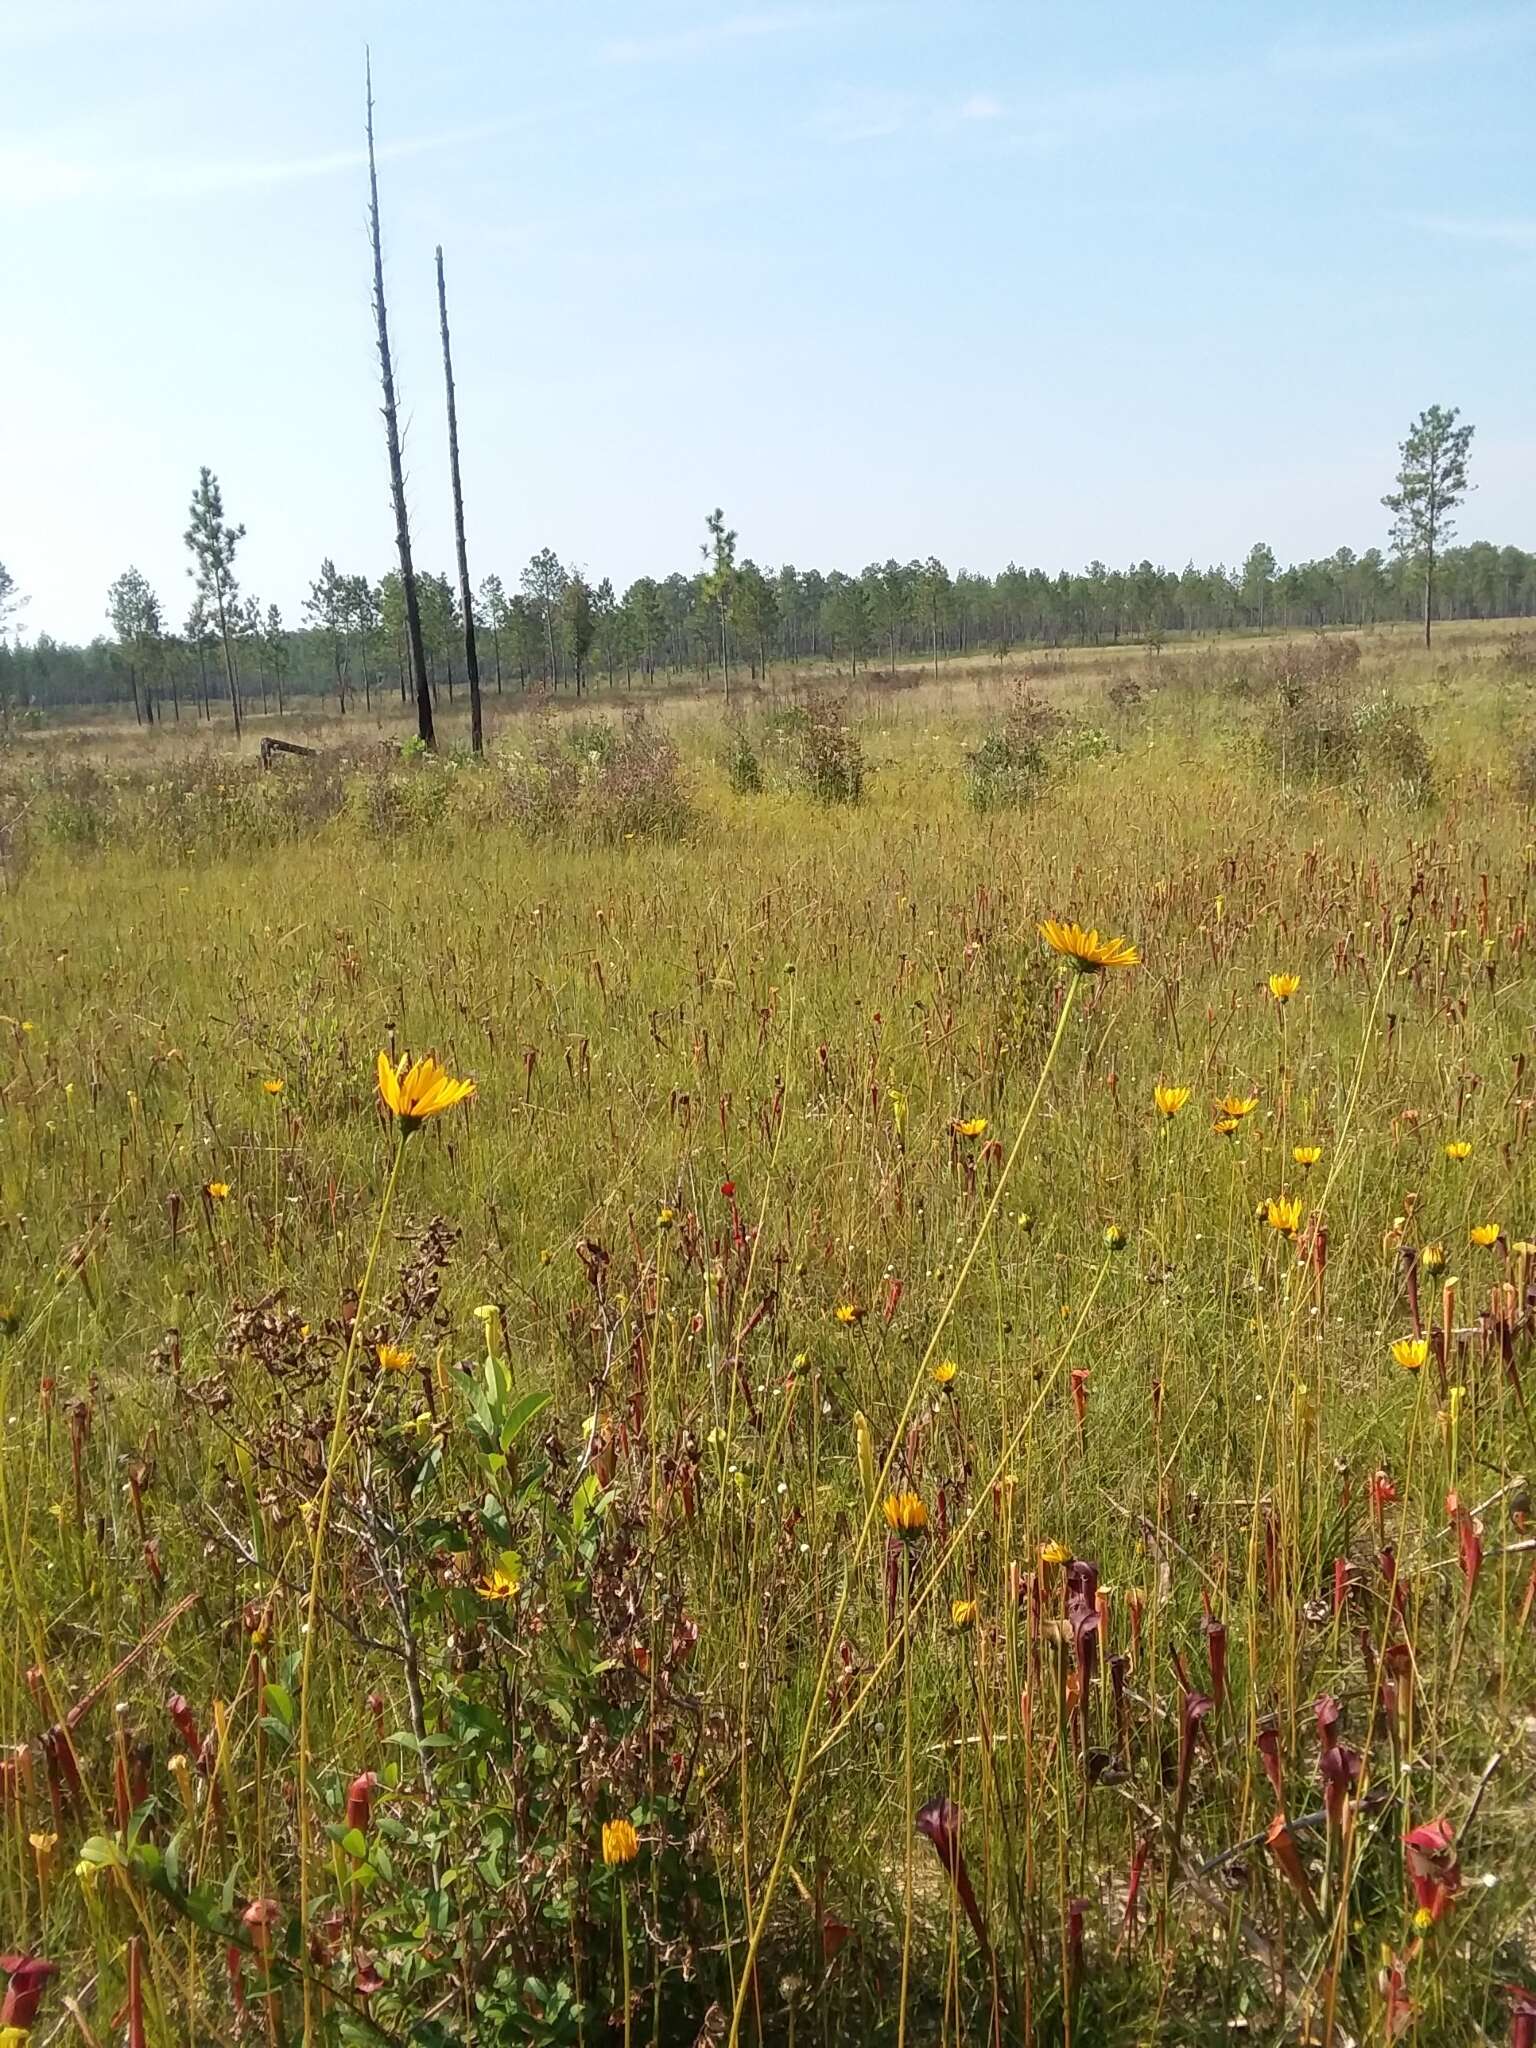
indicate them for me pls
(396, 471)
(466, 596)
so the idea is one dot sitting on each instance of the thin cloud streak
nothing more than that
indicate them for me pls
(1474, 36)
(1507, 234)
(32, 175)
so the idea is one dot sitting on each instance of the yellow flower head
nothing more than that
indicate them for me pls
(1486, 1234)
(962, 1613)
(968, 1126)
(665, 1218)
(417, 1089)
(1237, 1106)
(273, 1086)
(217, 1190)
(943, 1375)
(1306, 1155)
(848, 1313)
(1024, 1221)
(391, 1358)
(1224, 1126)
(1410, 1353)
(1432, 1257)
(1169, 1100)
(1055, 1553)
(1114, 1238)
(620, 1842)
(500, 1584)
(1283, 1213)
(1087, 952)
(905, 1515)
(1459, 1149)
(1283, 986)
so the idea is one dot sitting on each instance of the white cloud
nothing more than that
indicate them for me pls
(981, 106)
(864, 114)
(29, 24)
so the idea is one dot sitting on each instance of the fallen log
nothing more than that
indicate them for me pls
(270, 749)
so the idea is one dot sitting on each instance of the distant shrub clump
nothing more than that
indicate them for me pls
(809, 747)
(830, 761)
(1017, 757)
(597, 781)
(1314, 727)
(743, 766)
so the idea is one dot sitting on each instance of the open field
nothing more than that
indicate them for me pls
(383, 1514)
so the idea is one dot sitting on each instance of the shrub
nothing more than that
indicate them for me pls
(1016, 758)
(1374, 745)
(597, 781)
(1393, 756)
(829, 761)
(743, 768)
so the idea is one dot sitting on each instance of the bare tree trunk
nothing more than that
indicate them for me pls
(424, 726)
(1429, 589)
(229, 663)
(466, 597)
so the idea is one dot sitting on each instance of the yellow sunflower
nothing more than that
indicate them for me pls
(620, 1842)
(1169, 1101)
(502, 1583)
(1410, 1353)
(417, 1089)
(1087, 951)
(905, 1515)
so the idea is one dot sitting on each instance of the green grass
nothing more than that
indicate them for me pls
(710, 1632)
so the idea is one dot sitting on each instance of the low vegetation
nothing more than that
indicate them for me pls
(891, 1469)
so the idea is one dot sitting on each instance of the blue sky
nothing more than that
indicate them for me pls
(990, 279)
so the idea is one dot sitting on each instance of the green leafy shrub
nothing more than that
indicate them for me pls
(829, 762)
(592, 780)
(1011, 765)
(743, 767)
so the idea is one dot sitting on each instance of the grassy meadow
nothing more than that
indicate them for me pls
(388, 1513)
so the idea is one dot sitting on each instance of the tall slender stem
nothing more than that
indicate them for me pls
(317, 1555)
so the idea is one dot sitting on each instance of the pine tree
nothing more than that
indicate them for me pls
(213, 542)
(1431, 483)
